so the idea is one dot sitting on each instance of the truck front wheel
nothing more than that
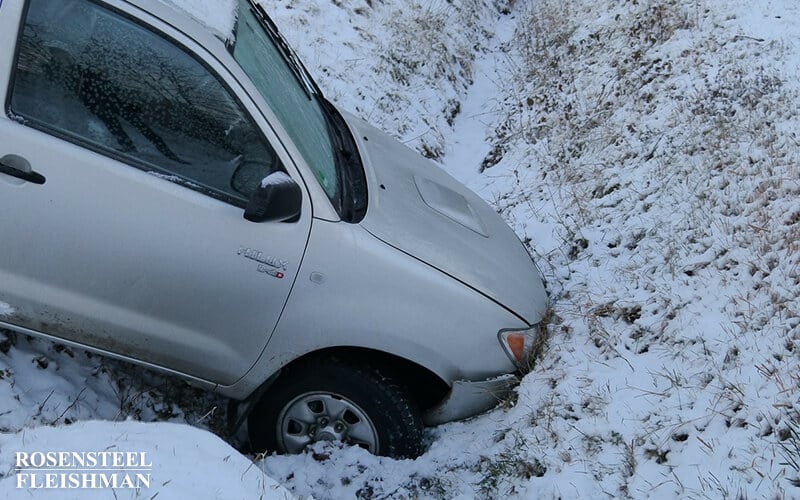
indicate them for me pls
(329, 400)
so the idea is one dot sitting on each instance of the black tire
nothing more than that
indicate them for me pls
(359, 399)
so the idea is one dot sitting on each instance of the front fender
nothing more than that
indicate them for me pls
(354, 290)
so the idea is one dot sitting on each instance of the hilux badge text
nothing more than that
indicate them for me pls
(266, 264)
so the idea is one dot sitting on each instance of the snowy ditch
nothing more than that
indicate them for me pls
(648, 155)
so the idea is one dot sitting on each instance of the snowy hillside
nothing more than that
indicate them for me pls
(402, 65)
(648, 154)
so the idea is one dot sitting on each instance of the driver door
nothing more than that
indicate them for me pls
(134, 241)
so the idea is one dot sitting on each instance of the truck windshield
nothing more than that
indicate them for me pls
(314, 125)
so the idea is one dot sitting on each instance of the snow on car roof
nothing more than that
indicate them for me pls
(219, 15)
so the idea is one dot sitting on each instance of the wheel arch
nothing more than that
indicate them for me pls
(423, 386)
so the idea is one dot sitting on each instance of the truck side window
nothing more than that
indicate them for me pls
(100, 79)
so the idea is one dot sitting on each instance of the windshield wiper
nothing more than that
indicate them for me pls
(298, 69)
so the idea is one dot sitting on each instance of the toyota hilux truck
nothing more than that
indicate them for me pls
(191, 202)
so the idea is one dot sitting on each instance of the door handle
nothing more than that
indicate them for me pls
(10, 165)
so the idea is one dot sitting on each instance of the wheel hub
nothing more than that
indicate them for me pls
(325, 430)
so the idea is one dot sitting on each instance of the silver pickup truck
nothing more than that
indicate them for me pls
(190, 201)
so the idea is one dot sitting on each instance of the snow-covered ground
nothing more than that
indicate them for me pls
(648, 152)
(179, 462)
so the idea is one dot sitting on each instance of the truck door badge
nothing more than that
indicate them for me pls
(266, 264)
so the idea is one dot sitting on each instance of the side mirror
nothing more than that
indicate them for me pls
(277, 199)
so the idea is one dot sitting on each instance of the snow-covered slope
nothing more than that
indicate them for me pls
(177, 461)
(659, 142)
(403, 65)
(648, 152)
